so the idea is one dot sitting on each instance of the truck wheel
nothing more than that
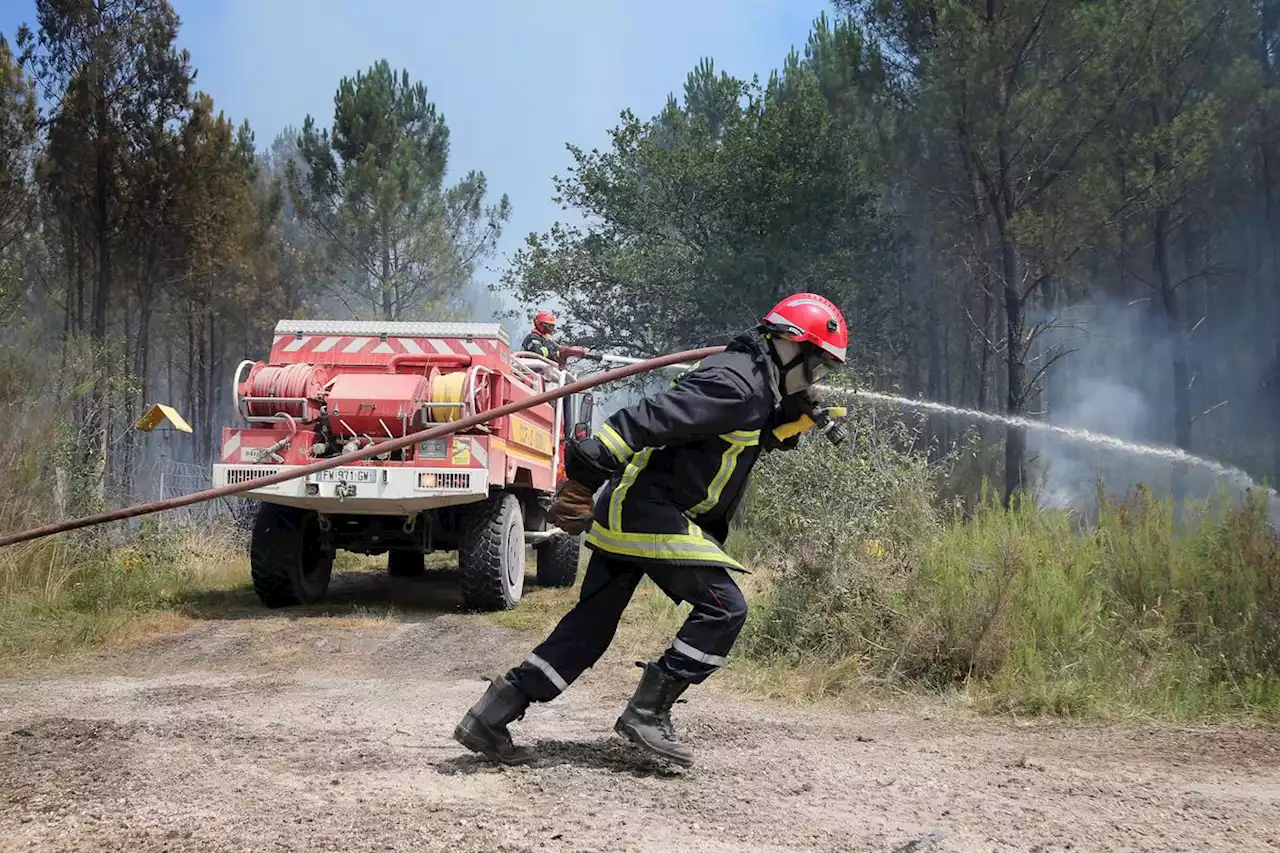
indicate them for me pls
(286, 561)
(558, 560)
(491, 554)
(403, 563)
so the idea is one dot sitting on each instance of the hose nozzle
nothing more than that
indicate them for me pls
(830, 423)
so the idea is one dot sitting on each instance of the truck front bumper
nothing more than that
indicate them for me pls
(363, 490)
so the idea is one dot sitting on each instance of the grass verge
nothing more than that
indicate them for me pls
(64, 595)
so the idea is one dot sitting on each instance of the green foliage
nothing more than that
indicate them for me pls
(699, 219)
(373, 188)
(830, 525)
(17, 153)
(1028, 610)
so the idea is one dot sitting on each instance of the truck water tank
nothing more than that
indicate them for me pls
(372, 403)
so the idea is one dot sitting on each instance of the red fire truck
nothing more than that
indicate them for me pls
(333, 387)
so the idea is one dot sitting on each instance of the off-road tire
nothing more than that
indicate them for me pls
(285, 559)
(558, 560)
(491, 554)
(404, 563)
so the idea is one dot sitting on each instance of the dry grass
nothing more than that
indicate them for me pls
(65, 595)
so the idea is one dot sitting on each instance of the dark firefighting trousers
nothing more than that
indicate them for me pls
(699, 648)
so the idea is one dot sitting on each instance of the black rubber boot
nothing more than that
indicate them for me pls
(647, 720)
(483, 729)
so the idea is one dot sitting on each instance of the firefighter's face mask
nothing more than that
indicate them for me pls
(547, 330)
(800, 364)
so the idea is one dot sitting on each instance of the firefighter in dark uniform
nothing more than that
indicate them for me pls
(541, 340)
(674, 468)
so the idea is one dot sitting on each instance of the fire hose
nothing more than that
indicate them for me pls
(375, 449)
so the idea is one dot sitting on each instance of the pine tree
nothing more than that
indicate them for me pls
(373, 187)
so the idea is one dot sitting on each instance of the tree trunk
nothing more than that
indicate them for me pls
(211, 396)
(170, 390)
(1015, 445)
(1176, 328)
(202, 399)
(98, 427)
(1195, 310)
(389, 307)
(946, 355)
(1270, 284)
(968, 372)
(1275, 384)
(988, 337)
(936, 357)
(142, 349)
(193, 408)
(74, 252)
(982, 251)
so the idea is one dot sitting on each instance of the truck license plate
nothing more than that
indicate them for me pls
(348, 475)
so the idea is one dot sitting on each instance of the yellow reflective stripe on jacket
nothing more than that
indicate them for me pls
(728, 463)
(744, 437)
(609, 437)
(695, 547)
(634, 467)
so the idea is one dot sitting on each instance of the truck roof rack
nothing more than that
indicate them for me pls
(377, 328)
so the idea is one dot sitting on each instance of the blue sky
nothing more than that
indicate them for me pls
(515, 80)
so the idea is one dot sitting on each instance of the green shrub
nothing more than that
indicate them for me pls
(1026, 610)
(831, 527)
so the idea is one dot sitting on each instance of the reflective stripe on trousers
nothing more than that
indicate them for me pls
(584, 633)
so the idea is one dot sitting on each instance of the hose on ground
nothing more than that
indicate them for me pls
(372, 450)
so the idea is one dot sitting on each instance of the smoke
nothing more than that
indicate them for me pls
(475, 303)
(1114, 375)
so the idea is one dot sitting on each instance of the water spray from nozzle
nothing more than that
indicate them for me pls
(1171, 454)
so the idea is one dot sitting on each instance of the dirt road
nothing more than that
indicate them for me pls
(269, 732)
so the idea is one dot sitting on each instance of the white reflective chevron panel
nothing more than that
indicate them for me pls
(377, 328)
(232, 445)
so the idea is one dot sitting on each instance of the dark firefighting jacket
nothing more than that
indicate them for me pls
(544, 347)
(680, 460)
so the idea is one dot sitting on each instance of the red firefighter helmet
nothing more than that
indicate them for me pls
(814, 319)
(544, 321)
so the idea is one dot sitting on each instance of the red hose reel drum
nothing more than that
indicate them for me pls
(294, 381)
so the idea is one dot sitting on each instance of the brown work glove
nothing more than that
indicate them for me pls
(572, 508)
